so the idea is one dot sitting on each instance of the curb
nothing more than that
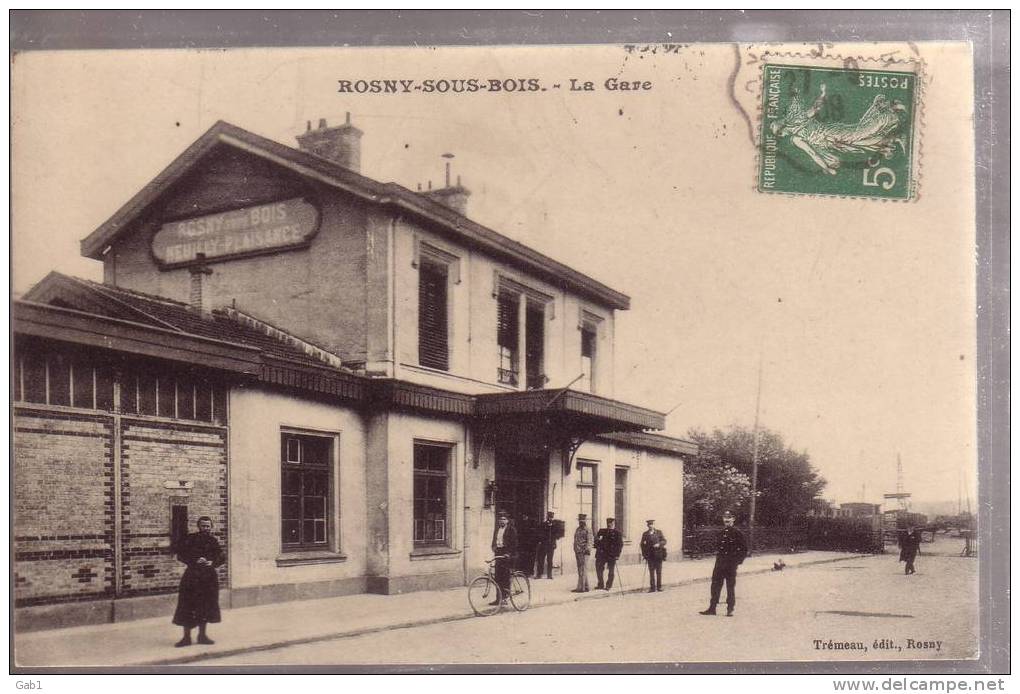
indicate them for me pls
(199, 657)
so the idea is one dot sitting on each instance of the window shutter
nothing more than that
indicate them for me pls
(433, 348)
(535, 345)
(507, 321)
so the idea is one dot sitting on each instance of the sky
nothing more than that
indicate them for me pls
(861, 311)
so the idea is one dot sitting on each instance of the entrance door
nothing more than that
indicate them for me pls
(520, 486)
(520, 497)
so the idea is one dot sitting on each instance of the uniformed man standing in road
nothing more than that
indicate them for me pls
(730, 553)
(582, 548)
(910, 546)
(547, 537)
(608, 546)
(653, 549)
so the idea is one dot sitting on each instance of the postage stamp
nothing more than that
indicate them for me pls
(840, 131)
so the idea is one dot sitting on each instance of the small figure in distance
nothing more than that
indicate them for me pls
(778, 565)
(910, 546)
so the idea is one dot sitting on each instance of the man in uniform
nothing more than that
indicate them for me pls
(547, 537)
(653, 549)
(608, 545)
(910, 546)
(582, 548)
(730, 553)
(504, 548)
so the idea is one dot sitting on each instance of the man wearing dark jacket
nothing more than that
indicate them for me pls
(547, 533)
(504, 549)
(730, 553)
(608, 545)
(910, 545)
(653, 549)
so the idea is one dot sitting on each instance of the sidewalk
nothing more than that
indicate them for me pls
(149, 642)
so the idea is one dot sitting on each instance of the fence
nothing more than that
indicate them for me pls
(824, 534)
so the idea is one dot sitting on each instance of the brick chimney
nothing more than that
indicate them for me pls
(453, 196)
(200, 299)
(340, 144)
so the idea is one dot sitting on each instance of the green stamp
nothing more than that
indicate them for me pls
(837, 131)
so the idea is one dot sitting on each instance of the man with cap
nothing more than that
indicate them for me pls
(730, 553)
(547, 536)
(582, 548)
(504, 547)
(608, 545)
(653, 549)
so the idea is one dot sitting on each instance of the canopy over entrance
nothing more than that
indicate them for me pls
(560, 419)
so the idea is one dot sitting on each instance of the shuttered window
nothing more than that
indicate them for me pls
(534, 337)
(506, 336)
(588, 342)
(433, 338)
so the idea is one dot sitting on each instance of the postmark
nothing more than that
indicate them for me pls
(839, 131)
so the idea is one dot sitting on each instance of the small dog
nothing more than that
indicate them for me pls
(778, 565)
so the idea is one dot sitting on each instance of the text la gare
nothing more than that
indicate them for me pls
(613, 84)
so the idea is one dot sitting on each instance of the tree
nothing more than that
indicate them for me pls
(787, 482)
(711, 487)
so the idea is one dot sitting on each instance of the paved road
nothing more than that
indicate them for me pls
(789, 615)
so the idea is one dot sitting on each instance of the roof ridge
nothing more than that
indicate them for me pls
(131, 292)
(267, 328)
(378, 192)
(105, 290)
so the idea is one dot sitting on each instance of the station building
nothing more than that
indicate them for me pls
(348, 376)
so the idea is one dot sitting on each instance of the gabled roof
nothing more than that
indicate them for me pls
(158, 312)
(324, 171)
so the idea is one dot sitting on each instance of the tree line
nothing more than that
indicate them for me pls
(720, 478)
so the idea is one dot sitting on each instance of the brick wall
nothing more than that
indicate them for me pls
(63, 506)
(152, 455)
(64, 501)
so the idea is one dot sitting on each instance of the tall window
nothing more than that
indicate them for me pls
(534, 339)
(587, 491)
(589, 339)
(431, 494)
(520, 335)
(307, 467)
(621, 500)
(433, 335)
(507, 337)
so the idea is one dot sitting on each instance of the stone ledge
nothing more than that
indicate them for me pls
(303, 558)
(434, 553)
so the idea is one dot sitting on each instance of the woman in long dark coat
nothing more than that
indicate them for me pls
(910, 545)
(198, 601)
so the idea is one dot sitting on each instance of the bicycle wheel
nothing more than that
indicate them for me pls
(520, 591)
(482, 592)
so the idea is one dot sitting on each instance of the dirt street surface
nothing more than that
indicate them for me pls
(858, 610)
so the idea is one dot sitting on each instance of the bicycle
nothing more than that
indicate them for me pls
(486, 597)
